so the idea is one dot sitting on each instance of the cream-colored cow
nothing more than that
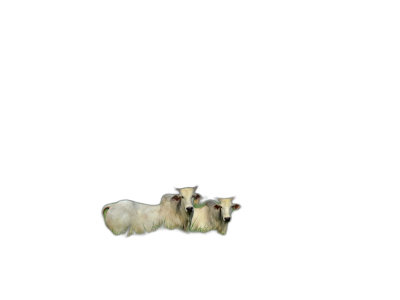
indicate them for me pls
(213, 215)
(174, 211)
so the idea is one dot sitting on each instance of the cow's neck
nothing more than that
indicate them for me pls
(220, 225)
(183, 216)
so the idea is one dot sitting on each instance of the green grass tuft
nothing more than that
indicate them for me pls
(201, 229)
(160, 226)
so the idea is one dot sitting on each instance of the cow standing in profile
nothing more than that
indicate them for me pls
(213, 215)
(174, 211)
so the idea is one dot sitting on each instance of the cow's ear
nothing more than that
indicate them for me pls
(216, 206)
(176, 198)
(197, 197)
(236, 206)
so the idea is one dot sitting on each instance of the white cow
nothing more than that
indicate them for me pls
(213, 215)
(174, 211)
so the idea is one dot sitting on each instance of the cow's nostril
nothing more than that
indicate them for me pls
(227, 219)
(189, 209)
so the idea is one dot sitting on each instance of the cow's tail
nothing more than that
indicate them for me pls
(104, 210)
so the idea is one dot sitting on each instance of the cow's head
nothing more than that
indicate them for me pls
(225, 206)
(187, 196)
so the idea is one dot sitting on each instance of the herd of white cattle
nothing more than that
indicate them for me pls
(183, 211)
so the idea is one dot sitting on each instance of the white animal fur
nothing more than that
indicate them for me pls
(208, 218)
(129, 216)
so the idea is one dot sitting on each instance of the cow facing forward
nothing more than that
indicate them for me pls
(173, 212)
(213, 215)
